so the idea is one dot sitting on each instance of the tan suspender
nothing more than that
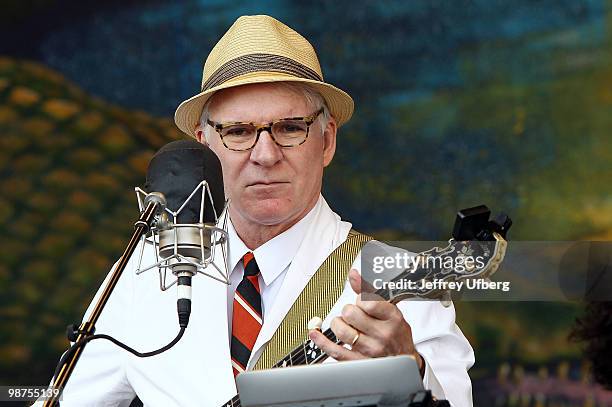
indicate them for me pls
(317, 299)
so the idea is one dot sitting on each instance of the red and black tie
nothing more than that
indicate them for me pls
(247, 316)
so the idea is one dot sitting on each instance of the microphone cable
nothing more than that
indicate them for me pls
(72, 334)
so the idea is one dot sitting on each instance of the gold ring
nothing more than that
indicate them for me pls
(355, 339)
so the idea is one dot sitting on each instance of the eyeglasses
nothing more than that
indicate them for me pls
(288, 132)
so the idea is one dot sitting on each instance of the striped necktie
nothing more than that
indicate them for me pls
(247, 316)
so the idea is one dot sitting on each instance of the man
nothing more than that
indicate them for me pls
(265, 110)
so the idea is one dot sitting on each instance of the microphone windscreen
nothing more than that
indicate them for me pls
(177, 168)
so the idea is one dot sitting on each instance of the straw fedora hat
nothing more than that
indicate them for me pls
(259, 49)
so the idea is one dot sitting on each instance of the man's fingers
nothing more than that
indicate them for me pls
(363, 287)
(355, 280)
(354, 316)
(367, 345)
(334, 350)
(343, 331)
(379, 309)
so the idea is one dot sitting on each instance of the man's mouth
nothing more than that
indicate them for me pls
(266, 183)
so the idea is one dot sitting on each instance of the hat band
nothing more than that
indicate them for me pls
(257, 63)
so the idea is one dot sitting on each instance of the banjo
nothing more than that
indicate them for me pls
(474, 236)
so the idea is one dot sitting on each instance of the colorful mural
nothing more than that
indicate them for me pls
(458, 103)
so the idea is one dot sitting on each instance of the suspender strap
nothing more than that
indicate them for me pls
(317, 299)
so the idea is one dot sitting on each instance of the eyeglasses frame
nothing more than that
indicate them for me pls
(259, 127)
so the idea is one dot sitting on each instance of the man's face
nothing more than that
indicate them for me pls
(270, 185)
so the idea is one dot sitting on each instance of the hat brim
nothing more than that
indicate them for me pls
(188, 113)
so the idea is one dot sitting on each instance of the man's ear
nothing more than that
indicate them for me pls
(329, 140)
(199, 134)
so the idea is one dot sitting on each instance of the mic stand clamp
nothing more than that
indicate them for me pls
(155, 203)
(73, 331)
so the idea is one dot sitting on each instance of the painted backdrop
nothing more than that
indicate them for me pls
(457, 103)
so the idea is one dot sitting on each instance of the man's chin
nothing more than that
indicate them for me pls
(269, 212)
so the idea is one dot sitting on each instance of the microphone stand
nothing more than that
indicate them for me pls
(87, 329)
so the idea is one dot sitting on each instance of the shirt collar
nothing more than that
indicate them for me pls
(277, 253)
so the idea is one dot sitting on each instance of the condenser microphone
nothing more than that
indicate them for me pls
(189, 176)
(177, 170)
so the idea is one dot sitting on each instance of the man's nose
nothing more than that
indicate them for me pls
(266, 152)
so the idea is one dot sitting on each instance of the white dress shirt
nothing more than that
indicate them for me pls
(273, 259)
(197, 370)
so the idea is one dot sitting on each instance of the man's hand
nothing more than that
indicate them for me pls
(374, 328)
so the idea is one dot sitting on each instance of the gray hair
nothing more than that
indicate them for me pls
(313, 98)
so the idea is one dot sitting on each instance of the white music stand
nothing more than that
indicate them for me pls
(388, 382)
